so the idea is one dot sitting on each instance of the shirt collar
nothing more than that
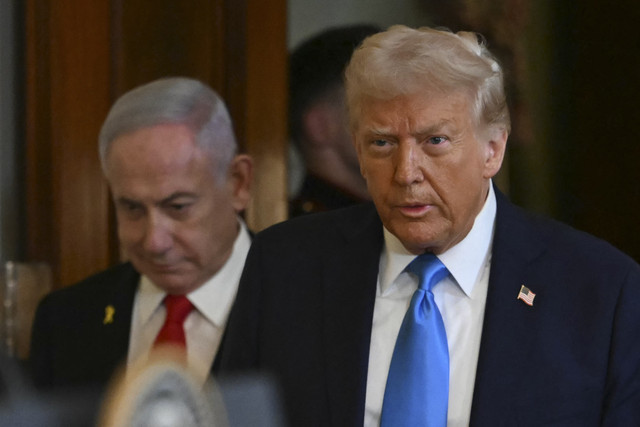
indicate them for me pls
(464, 260)
(214, 298)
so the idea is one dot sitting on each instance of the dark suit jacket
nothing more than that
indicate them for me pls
(73, 344)
(318, 195)
(305, 307)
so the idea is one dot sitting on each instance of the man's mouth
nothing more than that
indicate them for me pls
(163, 267)
(414, 209)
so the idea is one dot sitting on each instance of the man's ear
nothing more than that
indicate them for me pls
(494, 150)
(240, 179)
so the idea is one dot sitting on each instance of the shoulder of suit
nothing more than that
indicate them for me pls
(113, 279)
(313, 234)
(322, 222)
(559, 238)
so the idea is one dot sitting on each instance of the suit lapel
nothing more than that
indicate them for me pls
(350, 288)
(506, 320)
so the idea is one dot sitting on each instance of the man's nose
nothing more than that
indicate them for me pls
(158, 237)
(407, 165)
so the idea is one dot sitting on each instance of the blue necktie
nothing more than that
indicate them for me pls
(417, 392)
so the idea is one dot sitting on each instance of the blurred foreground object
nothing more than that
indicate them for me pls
(21, 405)
(165, 393)
(162, 393)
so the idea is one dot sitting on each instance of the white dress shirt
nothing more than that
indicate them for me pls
(461, 299)
(205, 324)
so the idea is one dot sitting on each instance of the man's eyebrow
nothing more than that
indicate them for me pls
(178, 195)
(379, 132)
(429, 128)
(435, 127)
(169, 199)
(126, 200)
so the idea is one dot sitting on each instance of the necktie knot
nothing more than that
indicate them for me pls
(178, 308)
(429, 269)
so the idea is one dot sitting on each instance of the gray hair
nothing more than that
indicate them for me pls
(402, 61)
(175, 100)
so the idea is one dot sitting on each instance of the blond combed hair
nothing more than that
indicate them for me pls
(407, 61)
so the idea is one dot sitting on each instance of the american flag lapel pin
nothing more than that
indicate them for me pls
(526, 295)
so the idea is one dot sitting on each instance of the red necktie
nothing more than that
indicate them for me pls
(172, 332)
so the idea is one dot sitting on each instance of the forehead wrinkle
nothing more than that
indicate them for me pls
(158, 203)
(380, 130)
(414, 129)
(434, 128)
(163, 185)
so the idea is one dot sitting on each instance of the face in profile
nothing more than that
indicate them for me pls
(176, 218)
(427, 166)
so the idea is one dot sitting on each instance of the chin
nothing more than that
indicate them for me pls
(172, 284)
(418, 240)
(171, 287)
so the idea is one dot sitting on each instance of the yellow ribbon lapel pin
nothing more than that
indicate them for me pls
(109, 311)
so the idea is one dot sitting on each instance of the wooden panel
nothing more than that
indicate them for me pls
(235, 64)
(68, 55)
(266, 115)
(168, 38)
(38, 167)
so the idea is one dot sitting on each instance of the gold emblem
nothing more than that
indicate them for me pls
(109, 311)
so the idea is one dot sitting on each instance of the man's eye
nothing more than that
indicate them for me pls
(131, 207)
(179, 206)
(380, 142)
(436, 140)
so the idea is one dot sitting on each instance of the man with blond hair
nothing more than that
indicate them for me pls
(440, 303)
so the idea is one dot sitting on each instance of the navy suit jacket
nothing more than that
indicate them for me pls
(75, 343)
(305, 306)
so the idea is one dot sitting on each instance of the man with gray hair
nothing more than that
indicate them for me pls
(169, 154)
(440, 303)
